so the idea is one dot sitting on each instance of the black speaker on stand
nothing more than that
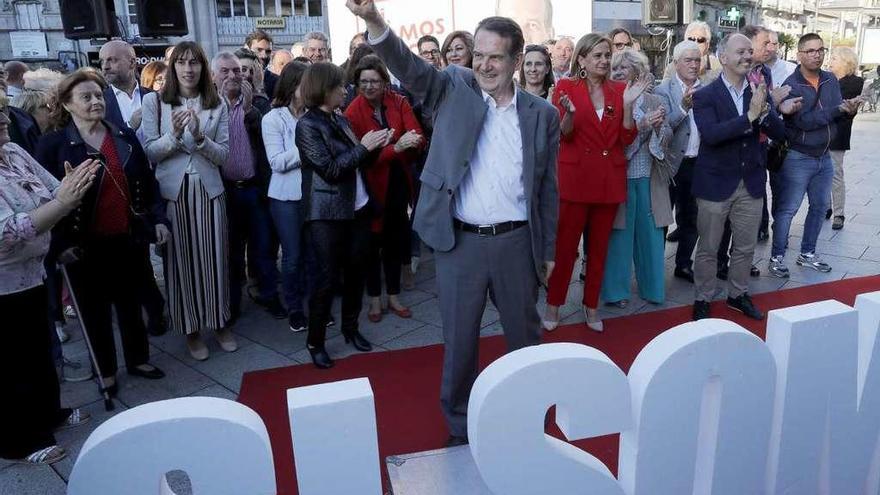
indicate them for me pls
(161, 17)
(86, 19)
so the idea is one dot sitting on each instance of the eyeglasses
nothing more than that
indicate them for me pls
(814, 52)
(365, 83)
(430, 53)
(697, 40)
(621, 46)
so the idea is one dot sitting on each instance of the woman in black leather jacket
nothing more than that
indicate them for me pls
(335, 204)
(108, 231)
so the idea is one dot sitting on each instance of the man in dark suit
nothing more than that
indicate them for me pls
(123, 94)
(730, 173)
(123, 108)
(489, 200)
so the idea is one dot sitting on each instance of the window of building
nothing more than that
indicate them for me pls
(265, 8)
(315, 8)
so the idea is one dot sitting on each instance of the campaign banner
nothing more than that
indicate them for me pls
(412, 19)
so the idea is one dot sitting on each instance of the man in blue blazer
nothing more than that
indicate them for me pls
(123, 94)
(730, 173)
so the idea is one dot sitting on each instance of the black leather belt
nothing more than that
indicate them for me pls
(241, 184)
(491, 229)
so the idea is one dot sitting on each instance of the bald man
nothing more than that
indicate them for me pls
(279, 59)
(123, 94)
(14, 77)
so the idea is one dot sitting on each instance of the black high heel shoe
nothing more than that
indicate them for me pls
(358, 341)
(320, 358)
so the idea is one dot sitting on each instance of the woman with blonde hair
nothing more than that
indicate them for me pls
(843, 64)
(597, 125)
(637, 238)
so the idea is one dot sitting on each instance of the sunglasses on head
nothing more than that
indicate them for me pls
(697, 40)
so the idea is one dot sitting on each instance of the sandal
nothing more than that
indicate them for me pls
(77, 417)
(49, 455)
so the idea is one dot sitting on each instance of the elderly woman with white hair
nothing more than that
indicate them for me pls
(637, 238)
(843, 64)
(37, 94)
(710, 68)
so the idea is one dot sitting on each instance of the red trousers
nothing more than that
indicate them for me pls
(595, 221)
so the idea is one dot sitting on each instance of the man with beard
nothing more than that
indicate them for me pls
(123, 108)
(123, 94)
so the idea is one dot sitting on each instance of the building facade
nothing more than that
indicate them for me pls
(32, 30)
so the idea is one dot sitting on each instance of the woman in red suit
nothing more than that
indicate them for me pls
(597, 125)
(388, 179)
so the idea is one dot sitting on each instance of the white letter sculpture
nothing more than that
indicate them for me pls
(222, 445)
(335, 446)
(816, 348)
(702, 397)
(506, 412)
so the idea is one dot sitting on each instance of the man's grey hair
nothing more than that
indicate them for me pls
(316, 35)
(215, 62)
(695, 25)
(682, 47)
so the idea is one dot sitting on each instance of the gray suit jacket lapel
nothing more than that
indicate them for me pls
(528, 126)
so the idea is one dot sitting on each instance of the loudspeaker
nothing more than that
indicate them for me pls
(660, 12)
(84, 19)
(161, 17)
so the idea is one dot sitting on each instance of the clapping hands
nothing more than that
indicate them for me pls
(377, 139)
(409, 140)
(636, 87)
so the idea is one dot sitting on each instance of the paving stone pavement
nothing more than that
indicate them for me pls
(268, 343)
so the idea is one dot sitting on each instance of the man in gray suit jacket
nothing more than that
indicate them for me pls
(677, 92)
(489, 200)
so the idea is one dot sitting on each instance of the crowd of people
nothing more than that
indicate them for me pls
(500, 157)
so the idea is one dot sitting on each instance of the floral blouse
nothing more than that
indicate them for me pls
(24, 185)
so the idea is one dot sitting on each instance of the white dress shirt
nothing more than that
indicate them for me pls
(780, 70)
(279, 131)
(492, 191)
(737, 94)
(693, 146)
(127, 103)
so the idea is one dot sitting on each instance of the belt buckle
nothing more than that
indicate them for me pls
(487, 226)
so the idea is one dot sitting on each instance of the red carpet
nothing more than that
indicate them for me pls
(406, 383)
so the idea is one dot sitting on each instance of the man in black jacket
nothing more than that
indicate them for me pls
(246, 178)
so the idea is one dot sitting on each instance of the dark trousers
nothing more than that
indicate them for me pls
(31, 399)
(151, 297)
(340, 246)
(250, 230)
(685, 214)
(389, 248)
(107, 277)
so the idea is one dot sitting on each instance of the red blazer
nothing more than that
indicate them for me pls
(592, 163)
(400, 117)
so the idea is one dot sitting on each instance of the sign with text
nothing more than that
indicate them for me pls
(269, 23)
(412, 19)
(706, 408)
(28, 44)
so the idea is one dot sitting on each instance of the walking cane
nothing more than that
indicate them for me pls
(63, 260)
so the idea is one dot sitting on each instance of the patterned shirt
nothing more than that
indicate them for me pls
(24, 186)
(241, 164)
(638, 153)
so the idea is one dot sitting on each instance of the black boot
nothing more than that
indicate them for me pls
(320, 358)
(358, 341)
